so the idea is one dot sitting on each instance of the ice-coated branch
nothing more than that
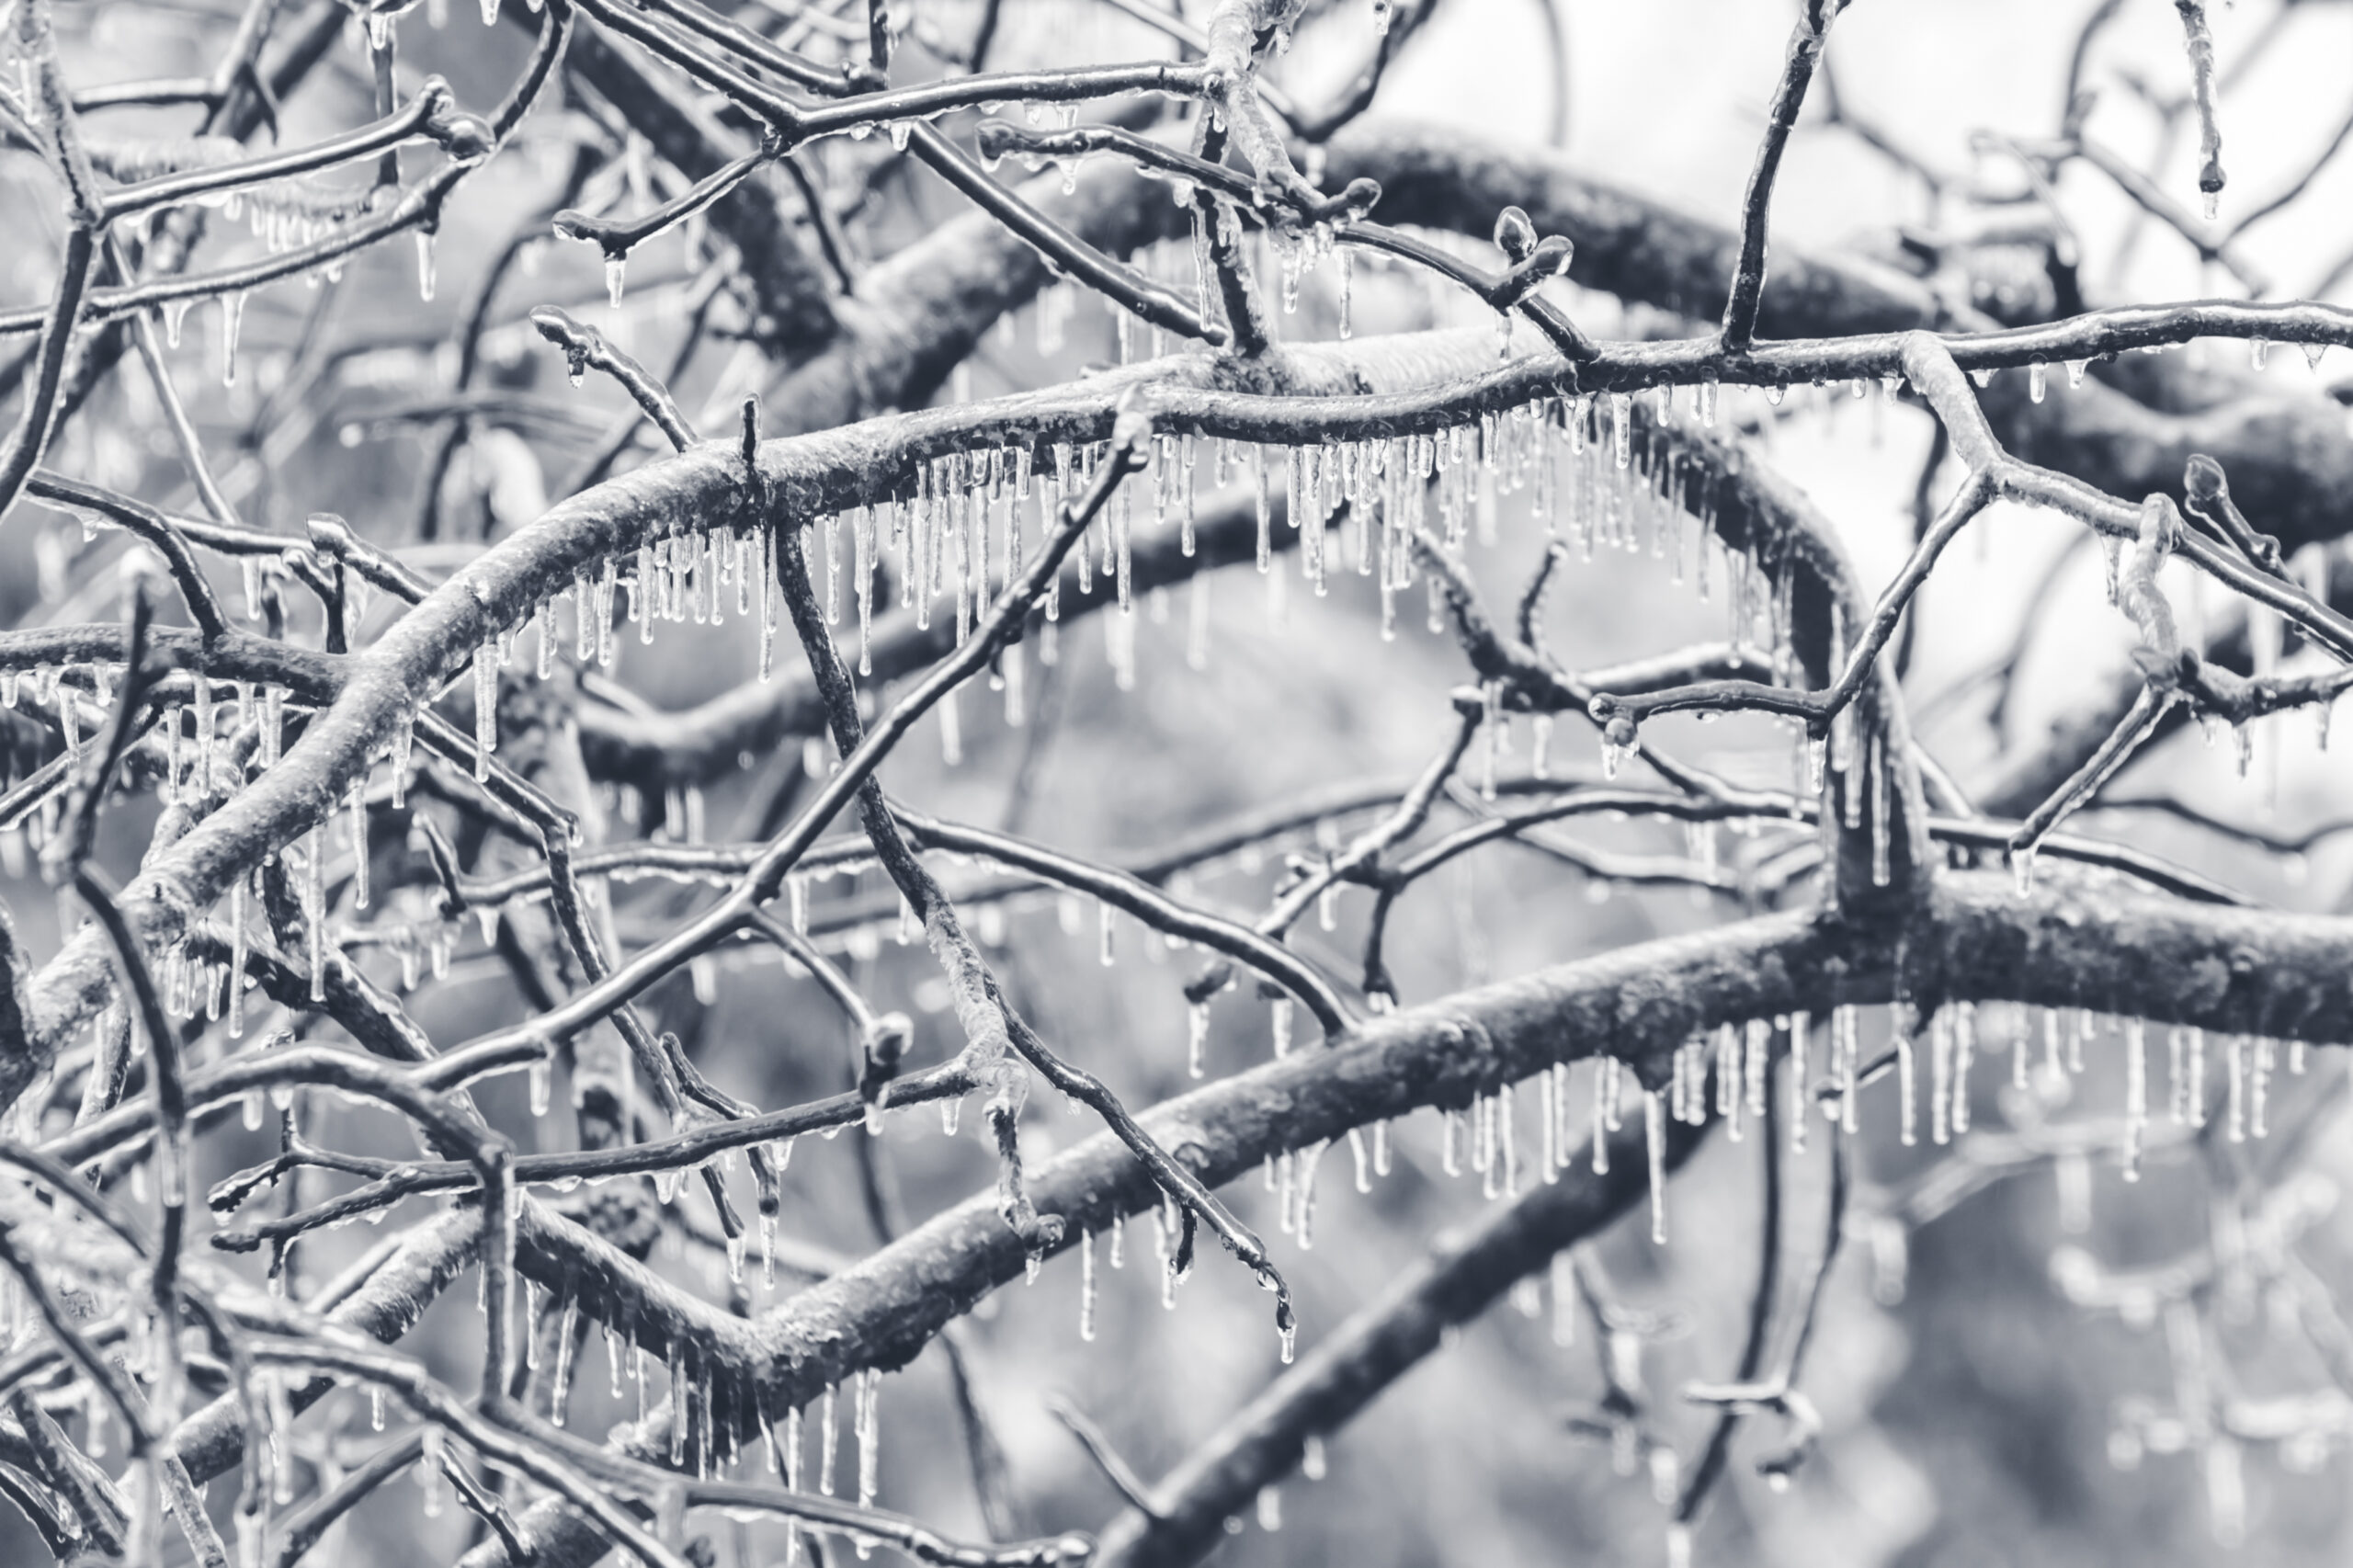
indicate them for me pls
(1179, 1521)
(1122, 285)
(37, 55)
(432, 115)
(1140, 900)
(2283, 449)
(2199, 41)
(615, 239)
(1807, 41)
(586, 348)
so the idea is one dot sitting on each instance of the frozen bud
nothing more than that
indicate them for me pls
(1515, 234)
(467, 138)
(886, 1039)
(2203, 479)
(330, 534)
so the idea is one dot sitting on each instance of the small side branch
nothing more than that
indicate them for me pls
(584, 347)
(1747, 295)
(2200, 44)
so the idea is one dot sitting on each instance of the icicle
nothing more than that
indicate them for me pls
(1198, 1036)
(2259, 1086)
(1621, 428)
(616, 267)
(428, 1468)
(1655, 1128)
(1546, 1129)
(1605, 1082)
(174, 312)
(1940, 1077)
(828, 1437)
(1800, 1078)
(486, 708)
(2076, 369)
(69, 719)
(359, 842)
(425, 265)
(315, 910)
(1882, 836)
(867, 1424)
(232, 316)
(237, 958)
(2136, 1096)
(1279, 1010)
(1728, 1046)
(678, 1403)
(1964, 1053)
(2237, 1059)
(2037, 380)
(1086, 1287)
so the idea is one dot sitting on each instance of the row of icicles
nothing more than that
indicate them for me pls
(963, 533)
